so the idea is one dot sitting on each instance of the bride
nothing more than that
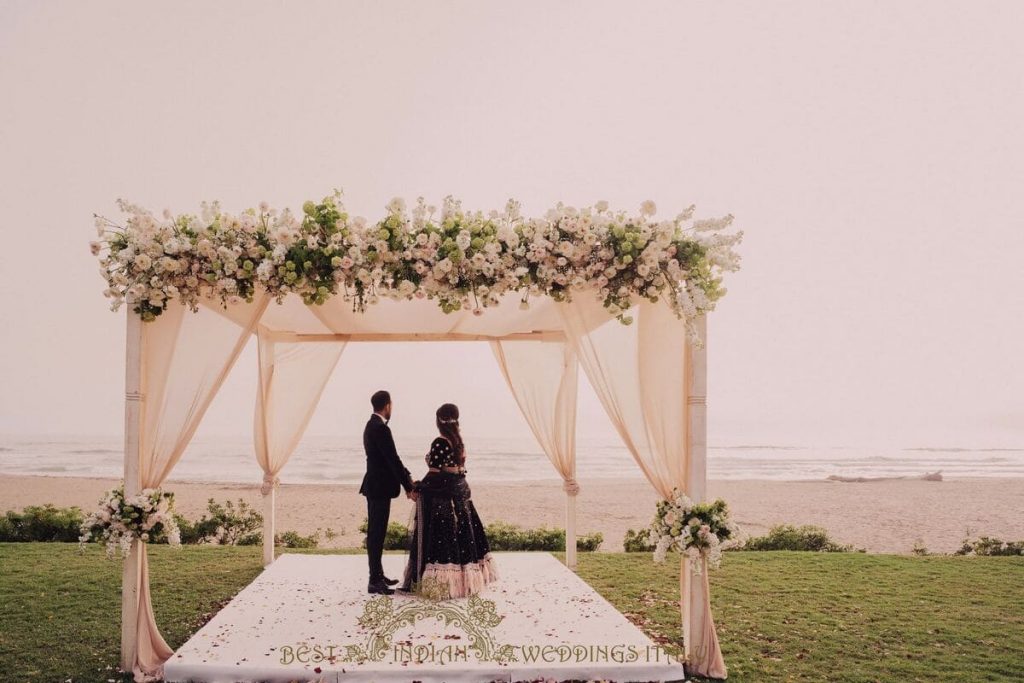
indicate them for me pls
(448, 546)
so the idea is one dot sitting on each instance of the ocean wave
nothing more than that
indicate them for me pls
(965, 450)
(758, 448)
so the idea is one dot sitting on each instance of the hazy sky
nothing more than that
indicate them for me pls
(872, 153)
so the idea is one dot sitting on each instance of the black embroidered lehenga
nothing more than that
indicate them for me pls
(447, 543)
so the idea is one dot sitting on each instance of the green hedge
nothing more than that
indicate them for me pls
(781, 537)
(637, 542)
(500, 536)
(227, 524)
(789, 537)
(41, 523)
(992, 547)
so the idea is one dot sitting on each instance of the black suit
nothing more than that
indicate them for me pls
(384, 479)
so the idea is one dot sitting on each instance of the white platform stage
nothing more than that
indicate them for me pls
(300, 621)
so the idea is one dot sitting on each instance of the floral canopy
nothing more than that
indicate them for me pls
(462, 261)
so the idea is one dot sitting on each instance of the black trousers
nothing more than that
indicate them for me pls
(378, 511)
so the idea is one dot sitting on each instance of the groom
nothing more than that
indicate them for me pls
(385, 473)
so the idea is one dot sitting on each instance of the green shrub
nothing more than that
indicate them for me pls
(589, 543)
(500, 536)
(788, 537)
(991, 547)
(395, 538)
(227, 524)
(41, 523)
(292, 539)
(505, 536)
(637, 542)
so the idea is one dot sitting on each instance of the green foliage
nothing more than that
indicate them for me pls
(589, 542)
(395, 538)
(992, 547)
(789, 537)
(227, 524)
(505, 536)
(41, 523)
(637, 542)
(292, 539)
(500, 536)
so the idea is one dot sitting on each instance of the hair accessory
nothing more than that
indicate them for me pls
(447, 422)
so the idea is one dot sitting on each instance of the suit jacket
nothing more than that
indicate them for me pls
(385, 473)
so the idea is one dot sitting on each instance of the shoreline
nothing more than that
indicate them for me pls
(887, 516)
(538, 480)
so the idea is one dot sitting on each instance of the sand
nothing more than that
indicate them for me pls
(884, 516)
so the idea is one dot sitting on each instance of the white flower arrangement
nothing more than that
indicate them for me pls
(700, 530)
(118, 521)
(464, 260)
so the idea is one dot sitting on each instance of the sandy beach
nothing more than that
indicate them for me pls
(885, 517)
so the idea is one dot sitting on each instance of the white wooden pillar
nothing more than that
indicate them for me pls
(570, 526)
(269, 525)
(691, 593)
(267, 348)
(132, 434)
(569, 392)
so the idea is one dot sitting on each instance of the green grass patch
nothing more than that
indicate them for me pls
(781, 615)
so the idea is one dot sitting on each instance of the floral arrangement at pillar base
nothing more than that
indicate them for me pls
(119, 521)
(700, 530)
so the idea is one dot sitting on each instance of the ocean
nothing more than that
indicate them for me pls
(322, 459)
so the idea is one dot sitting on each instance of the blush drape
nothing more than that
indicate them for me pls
(185, 359)
(542, 376)
(641, 374)
(292, 377)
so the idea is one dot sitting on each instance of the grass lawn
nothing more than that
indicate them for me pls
(780, 616)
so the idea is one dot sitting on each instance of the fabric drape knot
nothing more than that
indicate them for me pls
(270, 482)
(570, 486)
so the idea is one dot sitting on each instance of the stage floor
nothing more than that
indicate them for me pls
(299, 621)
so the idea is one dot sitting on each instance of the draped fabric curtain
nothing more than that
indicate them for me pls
(292, 378)
(641, 374)
(542, 376)
(185, 358)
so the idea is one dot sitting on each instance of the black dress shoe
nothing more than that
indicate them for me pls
(404, 589)
(390, 582)
(379, 587)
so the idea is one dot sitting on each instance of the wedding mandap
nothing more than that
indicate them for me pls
(623, 297)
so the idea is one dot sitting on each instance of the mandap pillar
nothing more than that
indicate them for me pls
(693, 593)
(269, 491)
(132, 427)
